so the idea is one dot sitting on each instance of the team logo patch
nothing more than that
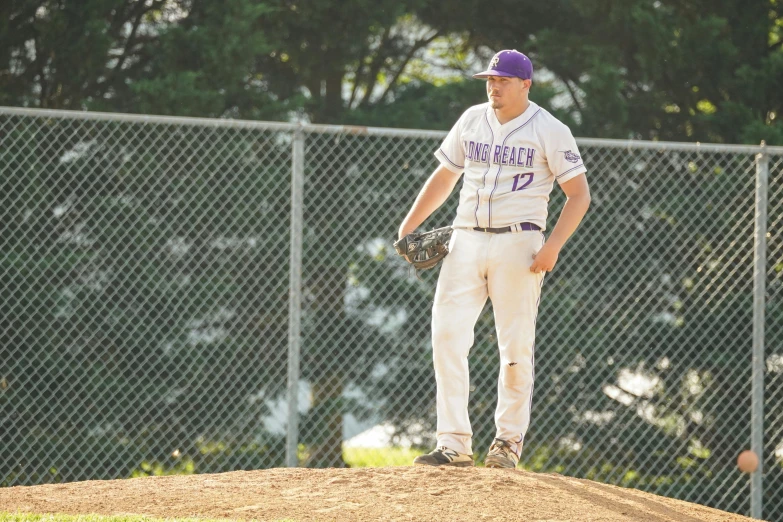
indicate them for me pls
(495, 61)
(571, 157)
(412, 247)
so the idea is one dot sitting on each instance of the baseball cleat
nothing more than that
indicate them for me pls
(442, 456)
(501, 455)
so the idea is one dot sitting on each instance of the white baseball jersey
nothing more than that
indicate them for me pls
(509, 169)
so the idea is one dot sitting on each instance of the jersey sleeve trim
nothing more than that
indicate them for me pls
(448, 163)
(580, 166)
(571, 173)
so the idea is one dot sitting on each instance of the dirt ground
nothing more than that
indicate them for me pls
(362, 494)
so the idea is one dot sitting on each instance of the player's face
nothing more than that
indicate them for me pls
(505, 92)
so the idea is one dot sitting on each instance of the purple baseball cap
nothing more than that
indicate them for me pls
(509, 63)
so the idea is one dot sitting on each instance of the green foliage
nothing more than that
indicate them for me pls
(644, 70)
(214, 457)
(204, 65)
(166, 57)
(419, 105)
(669, 70)
(380, 457)
(141, 323)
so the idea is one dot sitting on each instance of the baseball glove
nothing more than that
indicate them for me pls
(424, 250)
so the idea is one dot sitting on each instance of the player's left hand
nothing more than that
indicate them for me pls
(545, 259)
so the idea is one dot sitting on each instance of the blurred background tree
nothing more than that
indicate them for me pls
(669, 69)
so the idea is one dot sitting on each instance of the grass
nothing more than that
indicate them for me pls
(379, 457)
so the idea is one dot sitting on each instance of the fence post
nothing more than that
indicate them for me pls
(759, 302)
(295, 299)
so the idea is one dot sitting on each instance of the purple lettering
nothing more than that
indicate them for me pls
(512, 158)
(530, 154)
(485, 153)
(496, 157)
(471, 150)
(521, 156)
(504, 158)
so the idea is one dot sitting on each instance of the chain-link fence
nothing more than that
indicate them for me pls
(158, 293)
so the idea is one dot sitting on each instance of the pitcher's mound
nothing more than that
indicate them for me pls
(362, 494)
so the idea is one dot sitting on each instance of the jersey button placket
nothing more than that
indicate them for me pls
(497, 137)
(501, 138)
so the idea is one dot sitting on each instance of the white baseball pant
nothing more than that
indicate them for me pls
(481, 265)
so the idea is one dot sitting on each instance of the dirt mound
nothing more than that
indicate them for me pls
(362, 494)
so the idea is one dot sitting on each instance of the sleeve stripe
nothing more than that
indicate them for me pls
(581, 165)
(447, 159)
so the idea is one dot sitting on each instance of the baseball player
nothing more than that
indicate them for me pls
(511, 151)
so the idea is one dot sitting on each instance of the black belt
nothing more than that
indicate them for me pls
(500, 230)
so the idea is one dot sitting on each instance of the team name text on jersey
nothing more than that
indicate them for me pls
(501, 155)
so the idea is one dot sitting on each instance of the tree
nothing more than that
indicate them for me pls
(155, 56)
(356, 63)
(142, 323)
(668, 70)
